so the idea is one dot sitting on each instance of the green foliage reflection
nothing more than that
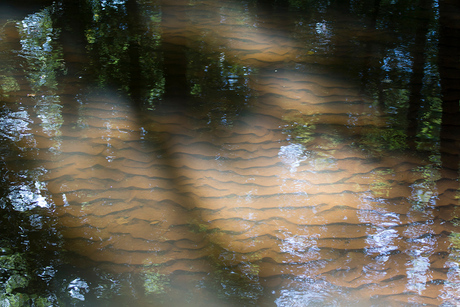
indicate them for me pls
(123, 53)
(381, 140)
(220, 88)
(44, 56)
(155, 283)
(8, 84)
(299, 130)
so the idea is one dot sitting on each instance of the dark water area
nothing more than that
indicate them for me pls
(229, 153)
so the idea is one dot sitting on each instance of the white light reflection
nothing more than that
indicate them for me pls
(451, 290)
(382, 239)
(303, 246)
(417, 273)
(422, 245)
(15, 125)
(312, 293)
(382, 243)
(114, 4)
(78, 288)
(399, 58)
(292, 155)
(107, 137)
(423, 195)
(44, 63)
(108, 288)
(24, 197)
(322, 29)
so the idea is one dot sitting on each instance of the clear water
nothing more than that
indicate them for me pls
(208, 153)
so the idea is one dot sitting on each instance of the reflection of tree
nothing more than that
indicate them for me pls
(8, 81)
(418, 64)
(122, 53)
(29, 243)
(44, 64)
(449, 65)
(401, 76)
(174, 51)
(219, 88)
(451, 289)
(199, 79)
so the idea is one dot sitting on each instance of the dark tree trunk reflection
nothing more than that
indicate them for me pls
(134, 53)
(449, 65)
(174, 48)
(418, 65)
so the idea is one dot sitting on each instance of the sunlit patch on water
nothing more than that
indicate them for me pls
(292, 155)
(24, 197)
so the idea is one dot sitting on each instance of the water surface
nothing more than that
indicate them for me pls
(230, 153)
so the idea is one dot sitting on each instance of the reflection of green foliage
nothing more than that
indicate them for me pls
(39, 47)
(14, 262)
(240, 282)
(121, 53)
(454, 239)
(384, 172)
(16, 281)
(429, 172)
(333, 138)
(220, 88)
(8, 84)
(299, 130)
(155, 18)
(395, 99)
(155, 283)
(198, 227)
(424, 189)
(14, 300)
(454, 249)
(237, 282)
(381, 186)
(421, 198)
(302, 4)
(430, 124)
(90, 36)
(49, 110)
(196, 90)
(252, 269)
(456, 213)
(378, 140)
(28, 244)
(15, 277)
(108, 286)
